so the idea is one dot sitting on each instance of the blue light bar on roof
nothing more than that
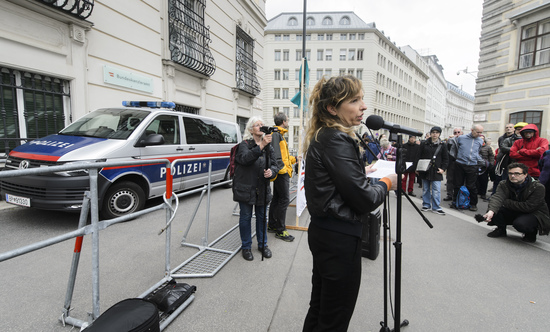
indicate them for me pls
(152, 104)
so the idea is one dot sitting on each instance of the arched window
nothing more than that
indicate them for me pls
(327, 20)
(345, 21)
(310, 21)
(292, 21)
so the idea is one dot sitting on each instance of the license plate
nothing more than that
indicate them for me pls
(17, 200)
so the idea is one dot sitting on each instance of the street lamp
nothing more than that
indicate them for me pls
(465, 71)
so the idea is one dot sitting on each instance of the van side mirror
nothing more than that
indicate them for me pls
(153, 139)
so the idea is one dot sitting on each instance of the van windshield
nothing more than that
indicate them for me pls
(113, 123)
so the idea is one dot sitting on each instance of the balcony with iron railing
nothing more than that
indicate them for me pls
(81, 9)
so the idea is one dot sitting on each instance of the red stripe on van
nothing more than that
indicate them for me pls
(171, 159)
(33, 156)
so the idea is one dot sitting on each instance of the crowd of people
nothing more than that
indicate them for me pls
(518, 168)
(339, 193)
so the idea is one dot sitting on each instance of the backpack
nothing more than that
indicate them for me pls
(232, 155)
(463, 198)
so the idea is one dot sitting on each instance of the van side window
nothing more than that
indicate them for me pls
(203, 131)
(167, 126)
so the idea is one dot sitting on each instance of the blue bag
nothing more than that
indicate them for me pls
(463, 198)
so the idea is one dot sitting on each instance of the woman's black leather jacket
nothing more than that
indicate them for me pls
(335, 181)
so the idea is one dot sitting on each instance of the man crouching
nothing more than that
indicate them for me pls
(519, 201)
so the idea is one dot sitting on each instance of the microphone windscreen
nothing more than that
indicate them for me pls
(374, 122)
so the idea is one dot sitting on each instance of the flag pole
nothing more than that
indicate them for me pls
(302, 102)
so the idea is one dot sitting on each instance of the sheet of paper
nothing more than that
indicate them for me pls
(423, 165)
(384, 168)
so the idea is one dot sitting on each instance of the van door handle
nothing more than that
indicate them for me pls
(179, 149)
(191, 148)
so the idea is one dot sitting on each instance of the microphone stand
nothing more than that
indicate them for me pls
(264, 223)
(400, 168)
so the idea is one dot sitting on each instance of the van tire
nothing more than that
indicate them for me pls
(122, 198)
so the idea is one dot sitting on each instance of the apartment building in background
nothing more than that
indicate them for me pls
(513, 82)
(339, 43)
(61, 60)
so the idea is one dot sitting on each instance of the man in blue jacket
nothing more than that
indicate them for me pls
(468, 162)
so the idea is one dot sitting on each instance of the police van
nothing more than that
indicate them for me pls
(140, 130)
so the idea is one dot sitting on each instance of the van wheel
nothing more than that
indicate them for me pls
(122, 198)
(227, 177)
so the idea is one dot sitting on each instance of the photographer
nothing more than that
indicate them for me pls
(279, 203)
(338, 194)
(519, 201)
(250, 185)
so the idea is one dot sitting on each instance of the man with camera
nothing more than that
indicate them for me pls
(279, 203)
(519, 201)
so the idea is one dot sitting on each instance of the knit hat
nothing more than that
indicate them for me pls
(520, 124)
(436, 128)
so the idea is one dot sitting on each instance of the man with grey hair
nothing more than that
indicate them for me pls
(280, 201)
(468, 162)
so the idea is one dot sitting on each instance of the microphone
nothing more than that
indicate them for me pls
(376, 122)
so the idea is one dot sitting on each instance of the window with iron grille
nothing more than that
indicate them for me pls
(186, 109)
(189, 37)
(246, 69)
(31, 106)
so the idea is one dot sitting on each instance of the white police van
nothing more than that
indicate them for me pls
(141, 130)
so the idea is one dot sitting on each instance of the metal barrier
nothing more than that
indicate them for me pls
(90, 207)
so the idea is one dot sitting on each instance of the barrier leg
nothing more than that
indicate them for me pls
(76, 258)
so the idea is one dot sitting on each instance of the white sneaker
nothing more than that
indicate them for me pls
(440, 212)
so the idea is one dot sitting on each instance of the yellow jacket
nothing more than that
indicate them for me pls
(283, 157)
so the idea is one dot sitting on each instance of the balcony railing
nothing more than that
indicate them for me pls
(81, 9)
(189, 37)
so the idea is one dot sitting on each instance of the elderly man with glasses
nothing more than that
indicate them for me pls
(519, 201)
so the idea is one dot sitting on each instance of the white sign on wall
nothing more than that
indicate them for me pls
(127, 79)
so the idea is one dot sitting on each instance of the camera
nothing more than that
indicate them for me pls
(269, 130)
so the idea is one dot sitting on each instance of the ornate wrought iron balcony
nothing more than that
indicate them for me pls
(79, 8)
(189, 37)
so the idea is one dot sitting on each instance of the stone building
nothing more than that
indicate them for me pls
(341, 43)
(513, 81)
(63, 59)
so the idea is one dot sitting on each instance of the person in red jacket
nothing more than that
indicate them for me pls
(529, 149)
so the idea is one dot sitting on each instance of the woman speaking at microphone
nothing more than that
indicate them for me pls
(338, 194)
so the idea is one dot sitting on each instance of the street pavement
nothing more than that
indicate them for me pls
(454, 278)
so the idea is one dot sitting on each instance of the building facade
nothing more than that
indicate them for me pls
(459, 109)
(61, 61)
(513, 81)
(339, 43)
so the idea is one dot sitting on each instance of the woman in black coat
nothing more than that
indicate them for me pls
(251, 185)
(338, 194)
(431, 179)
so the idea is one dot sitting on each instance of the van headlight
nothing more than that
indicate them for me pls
(75, 172)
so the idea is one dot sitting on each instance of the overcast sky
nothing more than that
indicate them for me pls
(448, 29)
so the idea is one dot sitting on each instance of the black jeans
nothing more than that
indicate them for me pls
(336, 279)
(522, 222)
(465, 175)
(279, 203)
(451, 178)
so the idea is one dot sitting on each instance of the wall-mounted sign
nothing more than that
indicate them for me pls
(127, 79)
(480, 117)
